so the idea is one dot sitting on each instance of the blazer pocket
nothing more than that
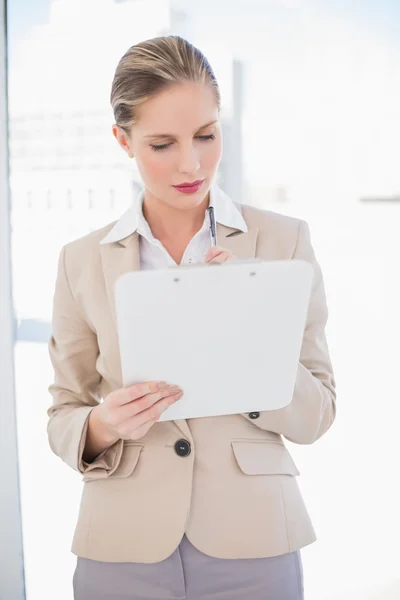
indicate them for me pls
(127, 464)
(264, 458)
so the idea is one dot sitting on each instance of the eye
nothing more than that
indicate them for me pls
(156, 148)
(205, 138)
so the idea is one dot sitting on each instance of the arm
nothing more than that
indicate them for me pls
(73, 352)
(313, 406)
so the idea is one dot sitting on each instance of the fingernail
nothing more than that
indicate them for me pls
(174, 389)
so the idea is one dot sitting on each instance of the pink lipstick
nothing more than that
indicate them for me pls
(189, 187)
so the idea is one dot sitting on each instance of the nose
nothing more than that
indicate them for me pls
(189, 162)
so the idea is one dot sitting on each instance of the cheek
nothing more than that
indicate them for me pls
(153, 166)
(212, 155)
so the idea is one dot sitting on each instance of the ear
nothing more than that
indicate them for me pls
(123, 139)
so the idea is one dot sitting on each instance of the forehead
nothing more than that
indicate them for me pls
(178, 109)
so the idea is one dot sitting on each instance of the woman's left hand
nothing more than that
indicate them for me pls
(217, 255)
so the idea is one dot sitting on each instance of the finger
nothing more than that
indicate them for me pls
(135, 407)
(221, 258)
(139, 432)
(154, 412)
(147, 417)
(213, 252)
(138, 390)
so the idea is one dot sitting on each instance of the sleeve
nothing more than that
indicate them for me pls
(74, 350)
(313, 407)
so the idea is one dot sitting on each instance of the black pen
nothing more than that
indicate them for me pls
(213, 229)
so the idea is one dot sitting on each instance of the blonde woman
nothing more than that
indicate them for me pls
(201, 509)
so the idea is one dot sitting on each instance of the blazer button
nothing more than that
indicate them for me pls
(182, 448)
(254, 415)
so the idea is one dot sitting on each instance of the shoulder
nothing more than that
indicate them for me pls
(276, 229)
(267, 219)
(89, 241)
(82, 256)
(279, 236)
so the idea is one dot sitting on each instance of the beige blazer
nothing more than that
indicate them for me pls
(235, 494)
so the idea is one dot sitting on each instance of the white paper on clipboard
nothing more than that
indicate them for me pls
(230, 335)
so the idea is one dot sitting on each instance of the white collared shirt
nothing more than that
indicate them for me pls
(153, 255)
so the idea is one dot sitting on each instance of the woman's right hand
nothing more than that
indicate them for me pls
(129, 413)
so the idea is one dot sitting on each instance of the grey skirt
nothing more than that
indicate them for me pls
(188, 574)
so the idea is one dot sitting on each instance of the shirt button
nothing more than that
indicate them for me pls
(182, 448)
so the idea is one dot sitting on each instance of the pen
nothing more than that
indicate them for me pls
(213, 228)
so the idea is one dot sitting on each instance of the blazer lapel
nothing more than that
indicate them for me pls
(119, 258)
(240, 244)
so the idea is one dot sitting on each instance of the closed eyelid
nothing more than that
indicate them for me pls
(203, 137)
(170, 140)
(162, 141)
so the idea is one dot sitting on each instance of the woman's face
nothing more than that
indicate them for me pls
(176, 140)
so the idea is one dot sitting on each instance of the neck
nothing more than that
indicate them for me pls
(167, 222)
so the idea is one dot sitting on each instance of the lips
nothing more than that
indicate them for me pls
(189, 188)
(181, 185)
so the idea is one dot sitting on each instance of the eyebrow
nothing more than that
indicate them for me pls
(171, 135)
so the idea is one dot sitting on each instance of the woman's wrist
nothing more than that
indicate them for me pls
(99, 437)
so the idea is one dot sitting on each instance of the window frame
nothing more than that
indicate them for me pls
(12, 577)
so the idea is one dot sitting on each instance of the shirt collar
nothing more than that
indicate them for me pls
(226, 213)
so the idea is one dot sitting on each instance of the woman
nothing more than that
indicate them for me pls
(197, 509)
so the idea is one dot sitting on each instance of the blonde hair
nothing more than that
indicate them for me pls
(149, 67)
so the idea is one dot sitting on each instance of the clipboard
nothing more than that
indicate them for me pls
(230, 335)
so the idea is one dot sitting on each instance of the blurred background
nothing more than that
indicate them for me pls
(311, 121)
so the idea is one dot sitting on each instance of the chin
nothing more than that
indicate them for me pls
(189, 202)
